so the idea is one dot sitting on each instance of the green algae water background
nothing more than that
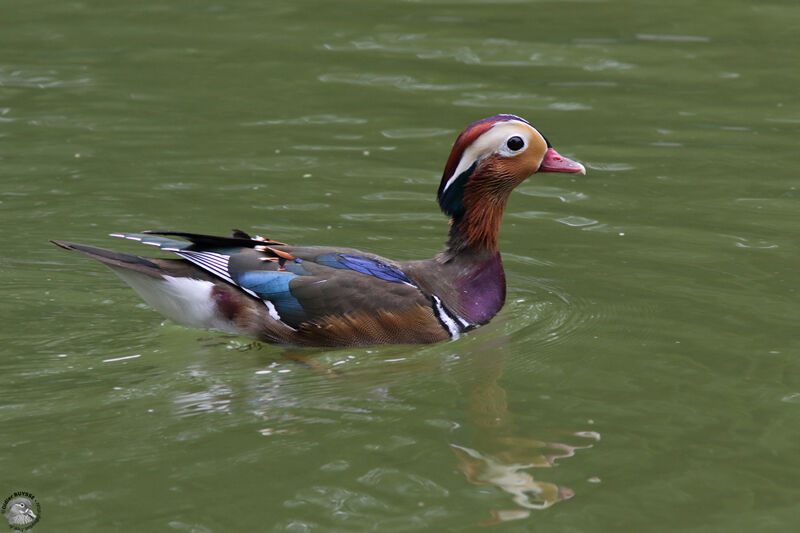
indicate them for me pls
(644, 374)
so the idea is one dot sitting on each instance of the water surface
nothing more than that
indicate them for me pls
(643, 375)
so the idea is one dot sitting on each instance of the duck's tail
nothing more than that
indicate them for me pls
(116, 259)
(175, 288)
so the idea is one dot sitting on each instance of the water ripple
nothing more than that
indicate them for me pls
(337, 500)
(583, 84)
(606, 64)
(399, 195)
(552, 192)
(760, 244)
(391, 217)
(331, 148)
(399, 81)
(413, 133)
(403, 483)
(576, 221)
(313, 206)
(673, 38)
(487, 52)
(525, 260)
(43, 79)
(216, 399)
(309, 119)
(552, 314)
(610, 167)
(278, 163)
(522, 100)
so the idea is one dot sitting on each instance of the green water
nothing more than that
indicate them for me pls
(643, 376)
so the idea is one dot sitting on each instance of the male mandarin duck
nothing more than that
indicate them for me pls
(326, 296)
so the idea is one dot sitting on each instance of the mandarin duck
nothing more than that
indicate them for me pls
(327, 296)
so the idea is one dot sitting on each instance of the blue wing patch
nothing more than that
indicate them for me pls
(365, 265)
(274, 286)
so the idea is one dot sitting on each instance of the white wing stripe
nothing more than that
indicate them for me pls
(214, 263)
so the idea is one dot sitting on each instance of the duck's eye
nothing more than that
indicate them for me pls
(515, 143)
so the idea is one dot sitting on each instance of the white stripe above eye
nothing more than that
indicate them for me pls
(488, 143)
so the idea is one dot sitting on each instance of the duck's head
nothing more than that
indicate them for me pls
(497, 153)
(20, 511)
(489, 158)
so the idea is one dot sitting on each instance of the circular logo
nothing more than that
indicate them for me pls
(22, 510)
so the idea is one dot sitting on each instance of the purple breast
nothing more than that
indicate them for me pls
(483, 291)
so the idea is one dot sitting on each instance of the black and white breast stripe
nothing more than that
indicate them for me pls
(454, 324)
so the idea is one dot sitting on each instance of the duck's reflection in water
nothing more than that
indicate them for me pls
(526, 492)
(493, 445)
(497, 455)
